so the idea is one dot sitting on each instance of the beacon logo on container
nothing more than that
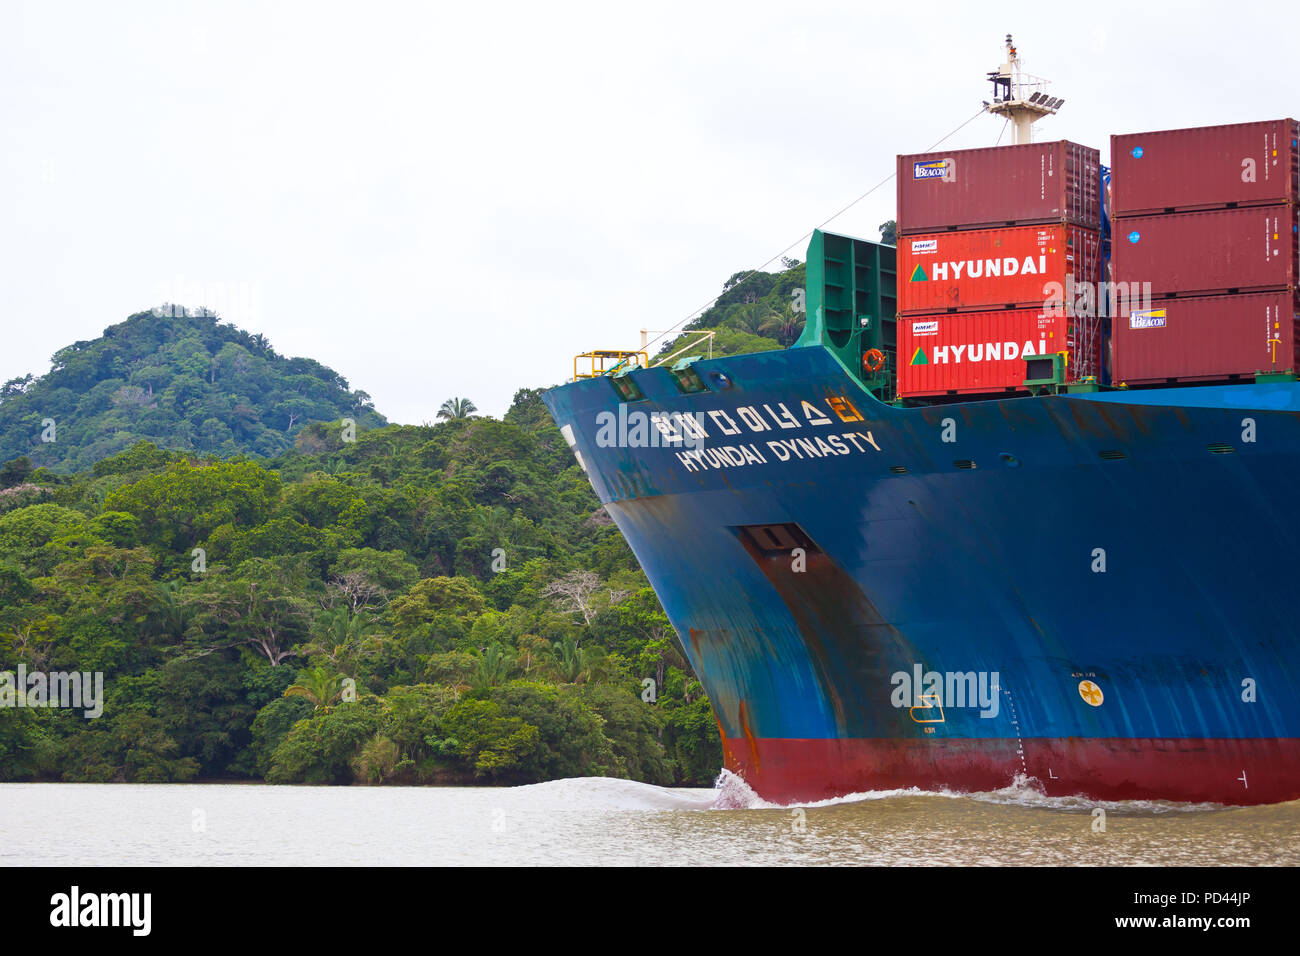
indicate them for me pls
(942, 169)
(1147, 319)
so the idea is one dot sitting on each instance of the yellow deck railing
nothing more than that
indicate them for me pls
(597, 362)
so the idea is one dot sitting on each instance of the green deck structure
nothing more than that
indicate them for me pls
(853, 305)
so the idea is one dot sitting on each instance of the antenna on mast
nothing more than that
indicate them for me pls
(1019, 96)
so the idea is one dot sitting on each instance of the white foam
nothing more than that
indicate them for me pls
(733, 793)
(1029, 792)
(613, 793)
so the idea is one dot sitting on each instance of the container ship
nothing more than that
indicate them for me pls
(1018, 507)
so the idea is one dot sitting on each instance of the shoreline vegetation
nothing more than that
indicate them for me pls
(279, 586)
(423, 605)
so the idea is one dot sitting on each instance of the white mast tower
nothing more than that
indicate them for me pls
(1019, 96)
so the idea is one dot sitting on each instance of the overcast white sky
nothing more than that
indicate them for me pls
(443, 199)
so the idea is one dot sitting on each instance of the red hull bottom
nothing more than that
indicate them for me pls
(1234, 772)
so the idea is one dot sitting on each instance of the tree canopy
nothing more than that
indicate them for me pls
(755, 312)
(413, 604)
(178, 379)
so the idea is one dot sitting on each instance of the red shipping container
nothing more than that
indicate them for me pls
(999, 186)
(985, 352)
(989, 268)
(1224, 250)
(1204, 168)
(1208, 338)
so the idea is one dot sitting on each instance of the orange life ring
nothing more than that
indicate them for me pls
(873, 360)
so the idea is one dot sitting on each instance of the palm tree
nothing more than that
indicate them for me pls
(573, 664)
(319, 686)
(786, 326)
(491, 667)
(566, 661)
(491, 523)
(454, 408)
(173, 612)
(753, 318)
(379, 756)
(339, 635)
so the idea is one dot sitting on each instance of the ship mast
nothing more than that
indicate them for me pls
(1019, 96)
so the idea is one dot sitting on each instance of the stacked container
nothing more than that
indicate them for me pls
(998, 250)
(1206, 258)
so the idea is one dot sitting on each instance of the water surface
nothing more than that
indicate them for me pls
(600, 821)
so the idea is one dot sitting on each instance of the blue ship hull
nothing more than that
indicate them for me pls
(1094, 591)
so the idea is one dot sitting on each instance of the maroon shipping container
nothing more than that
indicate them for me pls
(974, 353)
(996, 268)
(1224, 250)
(999, 186)
(1204, 168)
(1210, 338)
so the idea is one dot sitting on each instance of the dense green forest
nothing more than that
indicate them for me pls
(422, 604)
(177, 378)
(313, 600)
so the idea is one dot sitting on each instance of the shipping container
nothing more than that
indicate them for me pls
(1223, 250)
(996, 268)
(969, 353)
(1029, 184)
(1207, 338)
(1204, 168)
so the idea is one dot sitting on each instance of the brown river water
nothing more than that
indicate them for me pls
(599, 821)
